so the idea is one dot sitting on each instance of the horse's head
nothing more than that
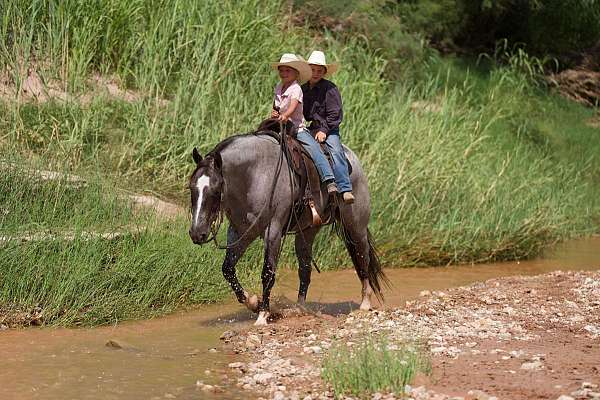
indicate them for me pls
(206, 184)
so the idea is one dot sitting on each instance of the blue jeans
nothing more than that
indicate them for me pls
(334, 146)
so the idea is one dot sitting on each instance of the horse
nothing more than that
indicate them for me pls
(245, 177)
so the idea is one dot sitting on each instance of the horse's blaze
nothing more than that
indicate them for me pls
(201, 184)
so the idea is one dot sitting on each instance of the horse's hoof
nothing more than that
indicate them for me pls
(365, 307)
(262, 318)
(252, 303)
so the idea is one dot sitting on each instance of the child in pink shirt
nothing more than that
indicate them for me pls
(287, 102)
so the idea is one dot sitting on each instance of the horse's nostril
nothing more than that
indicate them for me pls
(197, 238)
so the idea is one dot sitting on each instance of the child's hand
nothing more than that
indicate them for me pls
(284, 118)
(320, 136)
(274, 114)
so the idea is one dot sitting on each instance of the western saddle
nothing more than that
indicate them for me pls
(300, 162)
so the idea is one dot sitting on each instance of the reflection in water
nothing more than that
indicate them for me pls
(164, 358)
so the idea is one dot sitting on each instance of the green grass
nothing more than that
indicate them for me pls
(92, 282)
(372, 366)
(29, 202)
(149, 268)
(480, 180)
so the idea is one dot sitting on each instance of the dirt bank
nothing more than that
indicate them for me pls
(509, 338)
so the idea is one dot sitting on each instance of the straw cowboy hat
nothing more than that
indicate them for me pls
(318, 58)
(296, 62)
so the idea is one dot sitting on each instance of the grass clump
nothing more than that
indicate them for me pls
(34, 200)
(374, 366)
(95, 282)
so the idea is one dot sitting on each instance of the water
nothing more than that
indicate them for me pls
(163, 358)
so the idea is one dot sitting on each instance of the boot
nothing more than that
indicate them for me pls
(348, 197)
(331, 188)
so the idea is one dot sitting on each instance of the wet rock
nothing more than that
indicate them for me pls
(207, 388)
(120, 345)
(114, 344)
(228, 335)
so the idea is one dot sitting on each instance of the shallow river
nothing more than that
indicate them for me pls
(163, 358)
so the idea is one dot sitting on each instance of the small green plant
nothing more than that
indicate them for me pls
(376, 365)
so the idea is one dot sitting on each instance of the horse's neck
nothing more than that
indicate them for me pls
(247, 159)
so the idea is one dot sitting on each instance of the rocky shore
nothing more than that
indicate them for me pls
(509, 338)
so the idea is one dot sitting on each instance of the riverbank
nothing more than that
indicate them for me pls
(509, 338)
(176, 356)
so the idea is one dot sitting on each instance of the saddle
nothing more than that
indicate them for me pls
(300, 162)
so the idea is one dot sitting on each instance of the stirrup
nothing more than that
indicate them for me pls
(316, 219)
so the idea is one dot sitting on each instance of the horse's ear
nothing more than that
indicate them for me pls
(196, 156)
(218, 161)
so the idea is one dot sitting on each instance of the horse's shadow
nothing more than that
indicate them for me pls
(282, 308)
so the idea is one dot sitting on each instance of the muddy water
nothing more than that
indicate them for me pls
(163, 358)
(334, 290)
(154, 359)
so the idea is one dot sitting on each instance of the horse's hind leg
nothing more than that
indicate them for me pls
(355, 234)
(272, 247)
(358, 248)
(303, 244)
(365, 259)
(232, 256)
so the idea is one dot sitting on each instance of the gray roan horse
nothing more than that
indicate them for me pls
(244, 178)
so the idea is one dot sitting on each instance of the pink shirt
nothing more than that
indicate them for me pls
(283, 100)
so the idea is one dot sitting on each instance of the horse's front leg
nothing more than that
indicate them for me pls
(272, 246)
(232, 256)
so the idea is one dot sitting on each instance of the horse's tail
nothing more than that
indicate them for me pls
(374, 273)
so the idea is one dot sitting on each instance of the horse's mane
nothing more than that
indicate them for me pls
(268, 128)
(226, 142)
